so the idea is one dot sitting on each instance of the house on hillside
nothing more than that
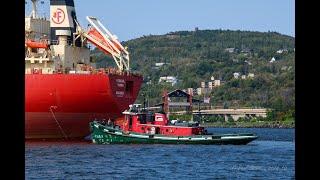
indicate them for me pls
(280, 51)
(236, 75)
(250, 75)
(203, 91)
(230, 50)
(217, 83)
(160, 64)
(247, 51)
(273, 59)
(207, 87)
(286, 68)
(171, 79)
(249, 61)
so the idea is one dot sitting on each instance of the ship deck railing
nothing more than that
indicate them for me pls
(110, 71)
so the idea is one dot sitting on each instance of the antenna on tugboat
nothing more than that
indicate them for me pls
(165, 101)
(144, 100)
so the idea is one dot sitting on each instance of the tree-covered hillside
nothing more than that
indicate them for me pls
(195, 56)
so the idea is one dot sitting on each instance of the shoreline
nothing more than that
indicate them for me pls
(248, 125)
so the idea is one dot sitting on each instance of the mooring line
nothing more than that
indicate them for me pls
(65, 136)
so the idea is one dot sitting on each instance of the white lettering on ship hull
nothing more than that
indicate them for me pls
(119, 80)
(119, 93)
(120, 83)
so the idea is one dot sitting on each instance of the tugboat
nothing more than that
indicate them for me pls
(142, 126)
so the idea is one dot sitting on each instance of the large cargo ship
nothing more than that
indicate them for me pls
(64, 87)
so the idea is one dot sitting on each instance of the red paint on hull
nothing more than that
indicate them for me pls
(73, 100)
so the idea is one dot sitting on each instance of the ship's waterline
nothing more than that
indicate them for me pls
(60, 106)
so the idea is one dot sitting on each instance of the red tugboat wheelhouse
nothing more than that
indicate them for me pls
(64, 87)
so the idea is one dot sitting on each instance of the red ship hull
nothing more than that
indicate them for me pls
(62, 105)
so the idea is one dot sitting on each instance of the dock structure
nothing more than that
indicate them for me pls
(234, 113)
(190, 102)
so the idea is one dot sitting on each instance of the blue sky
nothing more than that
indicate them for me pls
(129, 19)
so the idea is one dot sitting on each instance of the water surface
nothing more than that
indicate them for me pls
(271, 156)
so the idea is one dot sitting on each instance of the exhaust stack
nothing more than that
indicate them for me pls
(62, 17)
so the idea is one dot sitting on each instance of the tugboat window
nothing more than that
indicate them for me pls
(130, 121)
(141, 119)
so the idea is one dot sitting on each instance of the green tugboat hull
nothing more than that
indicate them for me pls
(102, 134)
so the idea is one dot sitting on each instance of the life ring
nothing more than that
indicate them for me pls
(35, 71)
(86, 68)
(100, 71)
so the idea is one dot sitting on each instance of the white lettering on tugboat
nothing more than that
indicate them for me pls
(158, 118)
(98, 136)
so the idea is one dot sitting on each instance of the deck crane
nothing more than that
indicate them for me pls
(100, 36)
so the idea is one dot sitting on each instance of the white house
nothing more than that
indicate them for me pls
(230, 50)
(171, 79)
(280, 51)
(273, 59)
(160, 64)
(236, 75)
(250, 75)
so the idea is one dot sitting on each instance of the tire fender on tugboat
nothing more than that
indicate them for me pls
(172, 130)
(153, 130)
